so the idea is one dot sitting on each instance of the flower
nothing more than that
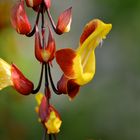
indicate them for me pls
(79, 65)
(19, 18)
(64, 21)
(10, 75)
(48, 115)
(47, 53)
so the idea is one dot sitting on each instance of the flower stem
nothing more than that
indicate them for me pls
(54, 136)
(46, 76)
(44, 135)
(50, 137)
(51, 19)
(40, 80)
(52, 83)
(36, 23)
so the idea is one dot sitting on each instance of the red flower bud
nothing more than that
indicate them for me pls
(44, 54)
(19, 18)
(49, 53)
(38, 47)
(33, 3)
(47, 3)
(64, 21)
(20, 82)
(43, 109)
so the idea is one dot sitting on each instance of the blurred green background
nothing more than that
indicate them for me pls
(108, 108)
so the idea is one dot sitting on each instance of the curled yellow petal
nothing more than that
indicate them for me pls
(53, 124)
(80, 65)
(84, 64)
(93, 33)
(5, 74)
(84, 68)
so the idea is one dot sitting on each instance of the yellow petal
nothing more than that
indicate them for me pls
(86, 71)
(5, 74)
(39, 97)
(53, 124)
(93, 33)
(84, 63)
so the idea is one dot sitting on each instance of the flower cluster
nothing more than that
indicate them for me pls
(78, 66)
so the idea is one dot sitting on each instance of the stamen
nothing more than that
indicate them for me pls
(86, 58)
(101, 43)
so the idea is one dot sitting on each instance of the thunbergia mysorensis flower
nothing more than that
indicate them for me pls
(78, 65)
(10, 75)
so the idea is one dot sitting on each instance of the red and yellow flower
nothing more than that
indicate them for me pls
(47, 53)
(10, 75)
(79, 65)
(48, 115)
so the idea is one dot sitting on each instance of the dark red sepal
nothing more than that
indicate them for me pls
(20, 82)
(68, 86)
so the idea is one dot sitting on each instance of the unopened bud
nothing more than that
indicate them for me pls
(49, 52)
(20, 82)
(38, 47)
(64, 21)
(19, 18)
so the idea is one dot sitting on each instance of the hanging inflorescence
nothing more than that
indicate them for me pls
(78, 66)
